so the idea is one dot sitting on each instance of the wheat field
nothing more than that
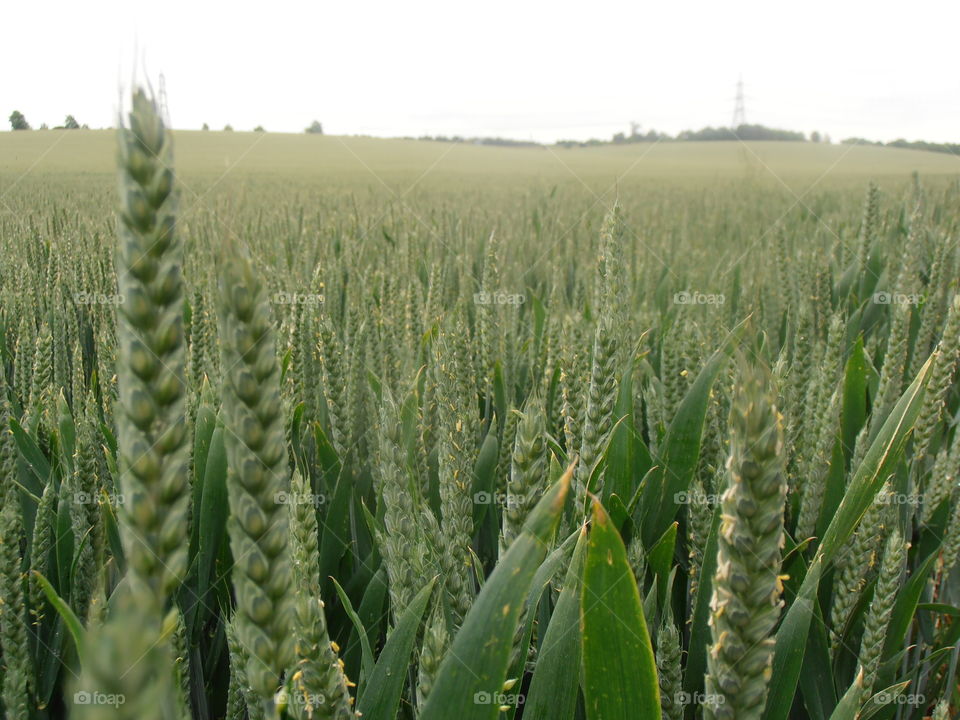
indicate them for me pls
(322, 427)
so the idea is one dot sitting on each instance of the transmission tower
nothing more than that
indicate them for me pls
(739, 112)
(162, 100)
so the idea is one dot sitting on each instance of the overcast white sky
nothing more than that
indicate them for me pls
(520, 68)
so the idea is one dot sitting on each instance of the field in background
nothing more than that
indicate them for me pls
(364, 160)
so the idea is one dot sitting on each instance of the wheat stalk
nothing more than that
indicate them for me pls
(746, 589)
(258, 476)
(152, 432)
(528, 472)
(881, 607)
(320, 686)
(18, 681)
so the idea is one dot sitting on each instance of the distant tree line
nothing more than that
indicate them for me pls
(19, 122)
(637, 137)
(743, 132)
(504, 142)
(707, 134)
(951, 148)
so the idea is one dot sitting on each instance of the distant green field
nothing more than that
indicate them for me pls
(372, 161)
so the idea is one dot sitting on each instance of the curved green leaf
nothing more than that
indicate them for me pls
(212, 521)
(553, 689)
(619, 672)
(366, 663)
(557, 558)
(70, 619)
(381, 696)
(473, 673)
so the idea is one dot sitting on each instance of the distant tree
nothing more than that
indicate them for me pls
(44, 126)
(205, 127)
(618, 138)
(228, 128)
(316, 128)
(18, 121)
(952, 148)
(815, 136)
(71, 123)
(259, 128)
(743, 132)
(84, 127)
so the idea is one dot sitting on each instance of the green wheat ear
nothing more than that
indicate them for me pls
(128, 664)
(669, 671)
(151, 418)
(404, 544)
(319, 682)
(598, 419)
(433, 649)
(258, 475)
(18, 680)
(528, 472)
(881, 607)
(747, 587)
